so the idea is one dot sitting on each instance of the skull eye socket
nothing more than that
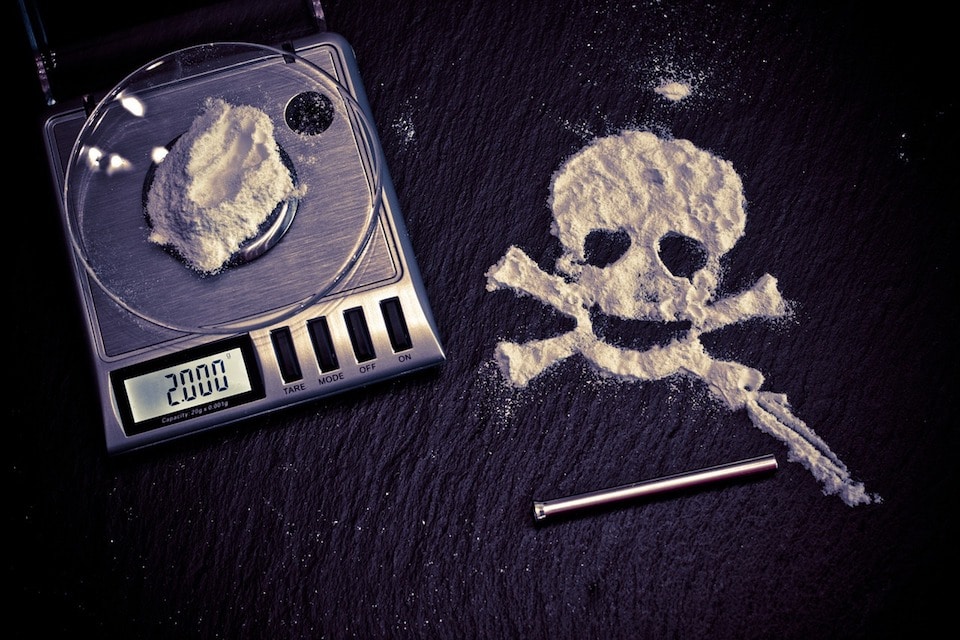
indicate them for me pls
(682, 255)
(602, 246)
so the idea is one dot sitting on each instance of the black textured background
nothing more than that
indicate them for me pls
(403, 510)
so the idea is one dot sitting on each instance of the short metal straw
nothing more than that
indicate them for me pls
(546, 508)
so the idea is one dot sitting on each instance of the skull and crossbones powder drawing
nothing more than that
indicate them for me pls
(646, 190)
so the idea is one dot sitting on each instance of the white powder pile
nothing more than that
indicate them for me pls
(649, 188)
(673, 91)
(220, 181)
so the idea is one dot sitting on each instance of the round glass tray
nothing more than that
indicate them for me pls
(305, 244)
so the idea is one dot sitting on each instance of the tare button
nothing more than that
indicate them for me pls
(286, 354)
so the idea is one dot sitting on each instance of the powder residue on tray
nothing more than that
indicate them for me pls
(648, 191)
(220, 181)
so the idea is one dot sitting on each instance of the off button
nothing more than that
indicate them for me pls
(359, 334)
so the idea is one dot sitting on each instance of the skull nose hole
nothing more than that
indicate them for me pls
(602, 247)
(682, 255)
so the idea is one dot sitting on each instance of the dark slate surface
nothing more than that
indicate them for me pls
(403, 511)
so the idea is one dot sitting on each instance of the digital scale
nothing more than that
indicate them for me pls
(326, 298)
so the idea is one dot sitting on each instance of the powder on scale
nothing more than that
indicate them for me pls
(220, 181)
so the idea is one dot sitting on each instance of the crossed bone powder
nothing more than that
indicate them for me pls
(603, 177)
(220, 181)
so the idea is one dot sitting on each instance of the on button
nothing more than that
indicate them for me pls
(396, 324)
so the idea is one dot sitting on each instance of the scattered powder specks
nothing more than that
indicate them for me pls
(404, 126)
(497, 402)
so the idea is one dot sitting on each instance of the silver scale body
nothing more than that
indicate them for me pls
(386, 270)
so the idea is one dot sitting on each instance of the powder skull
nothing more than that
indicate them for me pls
(648, 189)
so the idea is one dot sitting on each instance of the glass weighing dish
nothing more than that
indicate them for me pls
(307, 246)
